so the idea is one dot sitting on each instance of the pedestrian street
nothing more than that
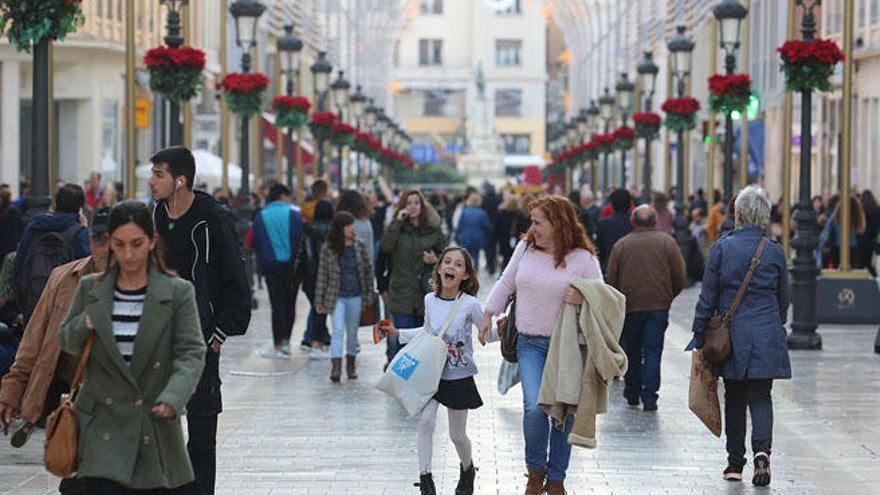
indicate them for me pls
(286, 429)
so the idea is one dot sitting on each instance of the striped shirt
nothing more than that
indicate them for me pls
(127, 308)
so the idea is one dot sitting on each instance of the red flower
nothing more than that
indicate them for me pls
(604, 139)
(163, 57)
(624, 133)
(822, 51)
(374, 145)
(341, 128)
(364, 137)
(298, 103)
(244, 83)
(647, 118)
(324, 118)
(735, 85)
(591, 146)
(683, 106)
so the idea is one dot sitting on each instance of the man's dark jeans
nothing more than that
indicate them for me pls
(642, 340)
(282, 298)
(202, 410)
(754, 394)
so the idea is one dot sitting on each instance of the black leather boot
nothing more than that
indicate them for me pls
(426, 484)
(466, 480)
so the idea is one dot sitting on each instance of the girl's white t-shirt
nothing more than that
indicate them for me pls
(460, 335)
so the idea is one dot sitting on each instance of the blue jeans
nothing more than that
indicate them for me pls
(531, 352)
(346, 318)
(642, 340)
(401, 320)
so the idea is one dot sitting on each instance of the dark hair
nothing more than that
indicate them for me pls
(352, 202)
(319, 188)
(869, 203)
(180, 161)
(133, 211)
(336, 235)
(470, 286)
(69, 199)
(621, 200)
(323, 211)
(276, 191)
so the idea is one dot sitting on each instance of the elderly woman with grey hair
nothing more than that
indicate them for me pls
(758, 349)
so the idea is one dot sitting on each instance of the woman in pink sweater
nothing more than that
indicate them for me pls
(554, 251)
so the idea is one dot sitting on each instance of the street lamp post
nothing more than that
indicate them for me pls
(289, 46)
(340, 90)
(246, 14)
(730, 14)
(804, 270)
(321, 73)
(593, 127)
(370, 113)
(583, 129)
(681, 47)
(358, 111)
(174, 40)
(606, 112)
(647, 71)
(624, 90)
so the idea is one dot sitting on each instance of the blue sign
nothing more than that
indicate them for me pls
(405, 366)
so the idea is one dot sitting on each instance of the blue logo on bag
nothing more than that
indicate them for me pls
(405, 366)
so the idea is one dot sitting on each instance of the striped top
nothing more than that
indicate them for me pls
(128, 305)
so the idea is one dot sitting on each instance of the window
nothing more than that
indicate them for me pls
(516, 144)
(431, 6)
(515, 9)
(431, 52)
(508, 53)
(508, 103)
(435, 101)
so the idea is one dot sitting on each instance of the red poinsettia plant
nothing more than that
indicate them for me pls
(605, 143)
(808, 65)
(244, 92)
(322, 123)
(362, 141)
(27, 23)
(588, 151)
(681, 113)
(342, 134)
(175, 73)
(729, 93)
(291, 111)
(624, 137)
(647, 124)
(374, 148)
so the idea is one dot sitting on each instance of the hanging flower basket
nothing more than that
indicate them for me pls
(624, 138)
(729, 93)
(647, 124)
(374, 148)
(322, 123)
(342, 134)
(605, 143)
(291, 112)
(808, 65)
(175, 73)
(27, 23)
(680, 113)
(590, 151)
(244, 92)
(362, 142)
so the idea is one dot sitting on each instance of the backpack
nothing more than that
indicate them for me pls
(48, 249)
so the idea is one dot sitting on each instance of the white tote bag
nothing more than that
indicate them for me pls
(414, 374)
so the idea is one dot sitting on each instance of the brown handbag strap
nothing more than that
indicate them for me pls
(87, 349)
(740, 294)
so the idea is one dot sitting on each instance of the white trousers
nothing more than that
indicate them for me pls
(457, 433)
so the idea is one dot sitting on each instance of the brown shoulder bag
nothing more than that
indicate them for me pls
(716, 345)
(62, 435)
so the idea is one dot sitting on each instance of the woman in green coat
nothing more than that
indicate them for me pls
(145, 363)
(413, 241)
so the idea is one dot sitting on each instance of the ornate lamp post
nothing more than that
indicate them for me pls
(321, 73)
(606, 113)
(682, 49)
(647, 71)
(340, 91)
(804, 271)
(583, 130)
(624, 90)
(370, 114)
(358, 111)
(174, 39)
(730, 14)
(289, 46)
(593, 128)
(246, 14)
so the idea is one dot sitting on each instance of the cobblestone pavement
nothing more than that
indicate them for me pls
(287, 430)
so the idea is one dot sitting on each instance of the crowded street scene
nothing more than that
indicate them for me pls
(540, 247)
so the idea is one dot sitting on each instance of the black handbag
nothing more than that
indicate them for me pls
(509, 333)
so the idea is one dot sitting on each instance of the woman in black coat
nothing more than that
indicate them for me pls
(11, 225)
(314, 235)
(867, 241)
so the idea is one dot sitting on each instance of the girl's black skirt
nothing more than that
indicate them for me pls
(459, 394)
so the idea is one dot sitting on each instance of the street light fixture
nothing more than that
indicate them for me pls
(730, 14)
(624, 91)
(321, 74)
(682, 49)
(246, 14)
(289, 46)
(174, 39)
(358, 111)
(593, 123)
(606, 111)
(340, 91)
(648, 71)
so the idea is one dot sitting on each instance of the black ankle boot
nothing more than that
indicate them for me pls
(426, 484)
(466, 480)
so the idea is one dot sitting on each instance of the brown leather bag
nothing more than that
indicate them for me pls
(62, 432)
(716, 344)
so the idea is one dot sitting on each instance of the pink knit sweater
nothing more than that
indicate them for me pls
(539, 286)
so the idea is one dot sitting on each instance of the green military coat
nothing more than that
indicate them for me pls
(119, 439)
(406, 244)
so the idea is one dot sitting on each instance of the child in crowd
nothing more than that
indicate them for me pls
(454, 277)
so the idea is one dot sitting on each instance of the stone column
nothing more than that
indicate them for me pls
(10, 110)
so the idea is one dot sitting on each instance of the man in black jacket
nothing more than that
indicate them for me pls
(611, 229)
(202, 245)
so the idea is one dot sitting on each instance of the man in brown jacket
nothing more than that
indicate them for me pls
(647, 267)
(41, 372)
